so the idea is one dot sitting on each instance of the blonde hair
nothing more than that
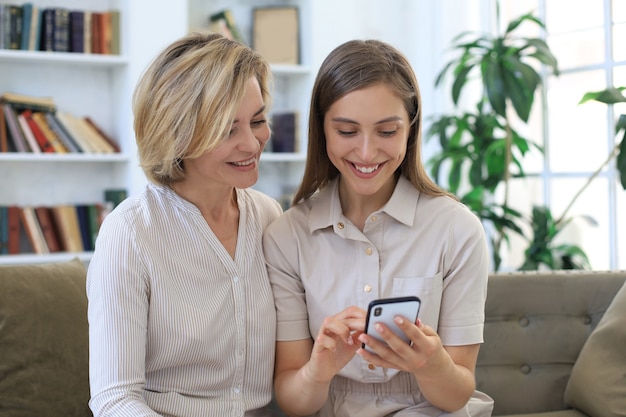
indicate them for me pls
(355, 65)
(187, 99)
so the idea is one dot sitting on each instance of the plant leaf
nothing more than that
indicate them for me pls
(494, 84)
(609, 96)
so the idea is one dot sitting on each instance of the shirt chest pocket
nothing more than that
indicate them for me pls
(428, 289)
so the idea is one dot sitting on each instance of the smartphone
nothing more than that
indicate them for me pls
(384, 310)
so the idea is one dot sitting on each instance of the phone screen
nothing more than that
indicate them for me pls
(385, 309)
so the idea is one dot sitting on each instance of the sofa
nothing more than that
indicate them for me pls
(555, 343)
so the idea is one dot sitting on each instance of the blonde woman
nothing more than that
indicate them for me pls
(181, 313)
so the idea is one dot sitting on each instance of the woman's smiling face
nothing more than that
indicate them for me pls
(366, 139)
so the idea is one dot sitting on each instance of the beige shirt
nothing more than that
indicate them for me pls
(176, 326)
(319, 263)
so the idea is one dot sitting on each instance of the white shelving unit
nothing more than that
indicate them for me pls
(85, 85)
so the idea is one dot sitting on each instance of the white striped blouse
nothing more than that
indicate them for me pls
(176, 326)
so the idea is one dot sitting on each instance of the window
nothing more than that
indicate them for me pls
(584, 35)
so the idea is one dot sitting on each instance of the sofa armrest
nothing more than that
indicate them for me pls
(535, 326)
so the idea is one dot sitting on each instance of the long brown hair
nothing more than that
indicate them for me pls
(355, 65)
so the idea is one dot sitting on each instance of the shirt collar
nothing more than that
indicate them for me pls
(326, 207)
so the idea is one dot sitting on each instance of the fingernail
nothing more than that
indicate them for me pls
(378, 328)
(399, 320)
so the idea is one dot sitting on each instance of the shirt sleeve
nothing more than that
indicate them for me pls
(466, 269)
(280, 246)
(118, 309)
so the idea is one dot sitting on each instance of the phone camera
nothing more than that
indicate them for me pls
(378, 311)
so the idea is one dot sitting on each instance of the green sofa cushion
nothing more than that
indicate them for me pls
(597, 385)
(44, 348)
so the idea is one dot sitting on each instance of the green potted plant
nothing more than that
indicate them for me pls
(481, 150)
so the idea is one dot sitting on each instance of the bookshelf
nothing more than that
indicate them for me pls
(93, 85)
(280, 172)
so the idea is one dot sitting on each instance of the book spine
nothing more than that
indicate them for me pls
(4, 137)
(27, 12)
(52, 137)
(28, 134)
(63, 135)
(43, 142)
(44, 216)
(16, 133)
(14, 214)
(15, 30)
(77, 31)
(33, 230)
(4, 230)
(61, 33)
(46, 42)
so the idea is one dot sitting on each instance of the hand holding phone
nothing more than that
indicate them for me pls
(384, 310)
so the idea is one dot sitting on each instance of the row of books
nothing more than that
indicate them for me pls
(44, 230)
(29, 27)
(33, 124)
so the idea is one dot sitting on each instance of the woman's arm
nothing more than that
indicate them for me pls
(445, 374)
(304, 368)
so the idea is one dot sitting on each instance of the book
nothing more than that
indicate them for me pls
(66, 219)
(15, 26)
(95, 220)
(27, 13)
(96, 33)
(35, 27)
(100, 131)
(87, 29)
(276, 34)
(69, 142)
(4, 230)
(105, 33)
(17, 136)
(46, 34)
(223, 22)
(52, 137)
(77, 31)
(46, 221)
(112, 198)
(4, 137)
(66, 120)
(3, 13)
(42, 140)
(33, 230)
(23, 102)
(284, 128)
(84, 224)
(115, 32)
(97, 142)
(28, 134)
(16, 231)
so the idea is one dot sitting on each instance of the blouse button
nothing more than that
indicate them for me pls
(368, 251)
(371, 366)
(367, 288)
(340, 225)
(374, 218)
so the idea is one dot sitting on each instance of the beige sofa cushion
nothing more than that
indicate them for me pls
(44, 350)
(597, 385)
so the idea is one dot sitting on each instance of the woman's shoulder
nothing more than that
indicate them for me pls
(267, 207)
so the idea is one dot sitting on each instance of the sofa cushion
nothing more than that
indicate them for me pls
(598, 381)
(44, 340)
